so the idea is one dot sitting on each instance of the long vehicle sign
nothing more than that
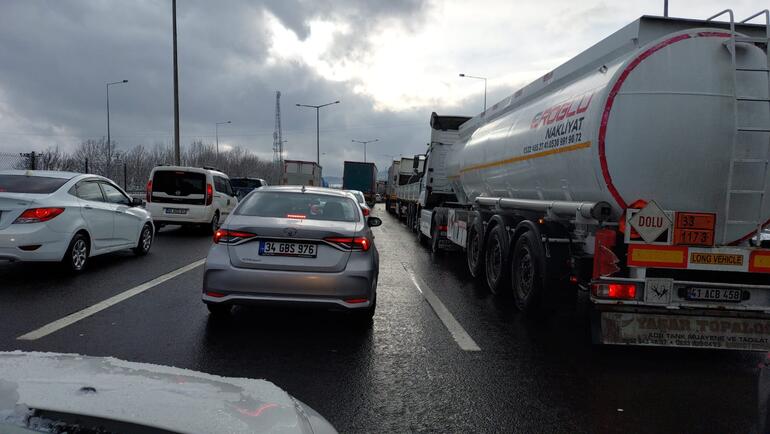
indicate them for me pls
(699, 258)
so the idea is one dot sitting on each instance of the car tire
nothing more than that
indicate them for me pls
(214, 225)
(421, 238)
(496, 267)
(527, 273)
(76, 258)
(145, 241)
(219, 311)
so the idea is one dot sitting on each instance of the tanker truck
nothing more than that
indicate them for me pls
(635, 172)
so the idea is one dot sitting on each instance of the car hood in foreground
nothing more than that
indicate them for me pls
(154, 396)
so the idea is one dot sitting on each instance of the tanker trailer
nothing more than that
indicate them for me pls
(636, 171)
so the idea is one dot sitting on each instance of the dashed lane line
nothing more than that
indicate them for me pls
(98, 307)
(463, 339)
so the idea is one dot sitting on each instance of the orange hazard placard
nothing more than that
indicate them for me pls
(694, 229)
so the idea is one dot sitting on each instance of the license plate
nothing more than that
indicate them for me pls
(175, 210)
(276, 248)
(714, 294)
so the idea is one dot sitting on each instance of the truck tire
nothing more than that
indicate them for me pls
(474, 253)
(496, 253)
(527, 271)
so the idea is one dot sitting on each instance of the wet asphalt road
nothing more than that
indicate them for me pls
(404, 374)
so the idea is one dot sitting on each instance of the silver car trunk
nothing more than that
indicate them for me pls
(328, 258)
(13, 204)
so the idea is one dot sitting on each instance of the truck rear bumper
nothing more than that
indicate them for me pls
(691, 328)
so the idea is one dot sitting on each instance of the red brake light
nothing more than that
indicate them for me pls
(365, 211)
(615, 290)
(148, 197)
(209, 194)
(230, 237)
(296, 216)
(442, 228)
(356, 300)
(605, 260)
(360, 243)
(38, 215)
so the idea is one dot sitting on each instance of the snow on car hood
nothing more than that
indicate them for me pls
(155, 396)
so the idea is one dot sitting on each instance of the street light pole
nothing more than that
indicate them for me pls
(485, 86)
(216, 129)
(109, 139)
(317, 128)
(364, 142)
(177, 153)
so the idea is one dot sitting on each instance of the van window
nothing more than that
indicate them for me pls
(222, 185)
(179, 183)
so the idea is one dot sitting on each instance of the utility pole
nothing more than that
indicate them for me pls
(177, 157)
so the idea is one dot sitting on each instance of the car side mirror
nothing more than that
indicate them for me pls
(135, 201)
(374, 221)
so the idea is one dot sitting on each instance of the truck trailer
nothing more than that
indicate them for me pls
(636, 172)
(408, 191)
(296, 172)
(361, 176)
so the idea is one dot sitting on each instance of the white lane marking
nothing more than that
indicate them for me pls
(463, 339)
(98, 307)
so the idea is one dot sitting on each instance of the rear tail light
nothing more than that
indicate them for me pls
(148, 197)
(38, 215)
(209, 194)
(365, 211)
(225, 236)
(296, 216)
(622, 291)
(605, 260)
(356, 300)
(360, 243)
(442, 228)
(214, 294)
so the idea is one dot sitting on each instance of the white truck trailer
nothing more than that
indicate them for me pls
(412, 170)
(636, 171)
(296, 172)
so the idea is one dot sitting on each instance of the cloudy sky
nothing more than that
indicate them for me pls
(390, 63)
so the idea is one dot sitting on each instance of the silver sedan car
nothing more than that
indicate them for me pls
(294, 245)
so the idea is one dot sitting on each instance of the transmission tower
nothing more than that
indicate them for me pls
(277, 135)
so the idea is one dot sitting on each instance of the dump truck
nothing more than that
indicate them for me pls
(634, 174)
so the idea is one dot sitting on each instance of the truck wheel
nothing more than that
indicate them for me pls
(527, 271)
(421, 239)
(496, 258)
(473, 253)
(434, 236)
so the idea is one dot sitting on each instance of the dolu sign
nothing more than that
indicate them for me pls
(650, 222)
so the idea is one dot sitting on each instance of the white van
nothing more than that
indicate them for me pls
(178, 195)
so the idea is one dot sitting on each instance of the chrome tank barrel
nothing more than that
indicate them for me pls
(655, 123)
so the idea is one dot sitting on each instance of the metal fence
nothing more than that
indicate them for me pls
(132, 179)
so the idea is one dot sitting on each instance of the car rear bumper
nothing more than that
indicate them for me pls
(196, 214)
(346, 289)
(52, 244)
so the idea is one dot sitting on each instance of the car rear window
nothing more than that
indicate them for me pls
(309, 206)
(178, 183)
(30, 184)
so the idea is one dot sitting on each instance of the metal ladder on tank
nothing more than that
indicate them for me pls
(734, 160)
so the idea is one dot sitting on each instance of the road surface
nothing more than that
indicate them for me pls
(443, 353)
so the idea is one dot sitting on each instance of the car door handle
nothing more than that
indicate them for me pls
(88, 207)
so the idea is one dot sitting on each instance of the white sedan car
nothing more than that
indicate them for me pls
(69, 217)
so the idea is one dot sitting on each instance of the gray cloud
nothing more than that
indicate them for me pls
(59, 55)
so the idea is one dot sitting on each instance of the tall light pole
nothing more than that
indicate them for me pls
(485, 87)
(364, 142)
(317, 130)
(177, 153)
(216, 129)
(109, 142)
